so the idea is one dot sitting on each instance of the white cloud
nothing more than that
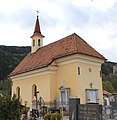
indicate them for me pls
(97, 38)
(94, 20)
(12, 35)
(9, 7)
(102, 5)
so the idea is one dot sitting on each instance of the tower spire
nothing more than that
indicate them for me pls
(37, 30)
(37, 26)
(37, 37)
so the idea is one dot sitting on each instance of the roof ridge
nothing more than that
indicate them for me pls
(76, 42)
(58, 40)
(88, 45)
(63, 38)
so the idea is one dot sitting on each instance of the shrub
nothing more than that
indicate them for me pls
(10, 108)
(55, 116)
(47, 116)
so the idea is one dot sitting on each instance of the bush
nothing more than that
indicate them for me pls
(47, 116)
(10, 108)
(55, 116)
(52, 116)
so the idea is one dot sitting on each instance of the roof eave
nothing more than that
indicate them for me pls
(37, 34)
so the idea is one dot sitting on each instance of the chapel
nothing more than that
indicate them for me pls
(66, 68)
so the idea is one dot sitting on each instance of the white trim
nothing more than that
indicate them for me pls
(64, 97)
(79, 58)
(47, 70)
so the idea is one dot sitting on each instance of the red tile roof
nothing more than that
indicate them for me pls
(45, 55)
(106, 93)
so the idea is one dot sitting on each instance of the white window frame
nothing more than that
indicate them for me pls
(92, 96)
(64, 95)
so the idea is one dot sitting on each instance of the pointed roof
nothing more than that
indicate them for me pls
(44, 56)
(37, 30)
(37, 26)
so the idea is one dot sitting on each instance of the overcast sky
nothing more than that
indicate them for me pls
(93, 20)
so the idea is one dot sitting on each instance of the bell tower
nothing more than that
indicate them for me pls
(37, 37)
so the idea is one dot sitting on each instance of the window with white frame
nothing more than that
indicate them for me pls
(92, 96)
(64, 94)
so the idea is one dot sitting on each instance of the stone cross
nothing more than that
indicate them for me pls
(91, 84)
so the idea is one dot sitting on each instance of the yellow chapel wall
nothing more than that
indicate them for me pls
(68, 72)
(25, 84)
(89, 73)
(53, 86)
(48, 84)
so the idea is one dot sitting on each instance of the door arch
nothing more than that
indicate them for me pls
(18, 92)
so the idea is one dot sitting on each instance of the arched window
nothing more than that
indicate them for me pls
(34, 91)
(78, 70)
(18, 91)
(33, 43)
(39, 42)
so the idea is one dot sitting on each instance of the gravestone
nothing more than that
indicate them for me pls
(89, 112)
(79, 111)
(73, 108)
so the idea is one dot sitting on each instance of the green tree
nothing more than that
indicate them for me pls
(107, 68)
(108, 86)
(10, 57)
(113, 80)
(5, 86)
(10, 108)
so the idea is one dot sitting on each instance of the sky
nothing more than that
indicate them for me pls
(93, 20)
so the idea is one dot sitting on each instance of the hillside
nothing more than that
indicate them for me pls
(10, 56)
(107, 67)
